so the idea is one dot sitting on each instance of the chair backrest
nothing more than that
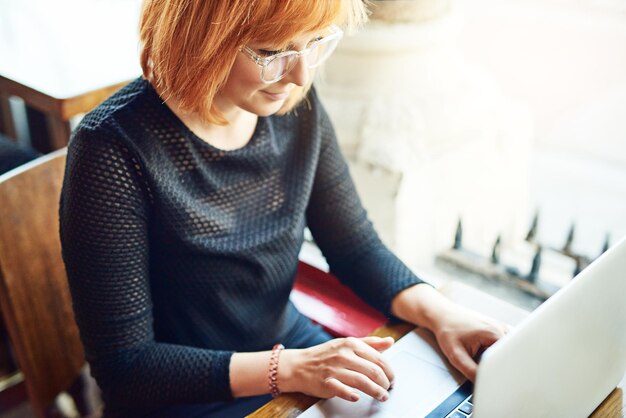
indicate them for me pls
(34, 293)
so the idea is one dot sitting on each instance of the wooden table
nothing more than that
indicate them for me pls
(291, 405)
(63, 58)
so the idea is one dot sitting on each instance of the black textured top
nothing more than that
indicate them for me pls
(179, 253)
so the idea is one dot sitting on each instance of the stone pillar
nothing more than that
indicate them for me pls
(428, 135)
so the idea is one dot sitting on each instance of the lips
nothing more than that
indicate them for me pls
(277, 96)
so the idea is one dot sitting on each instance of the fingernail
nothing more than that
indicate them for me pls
(354, 397)
(384, 397)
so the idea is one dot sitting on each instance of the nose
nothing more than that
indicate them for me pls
(299, 74)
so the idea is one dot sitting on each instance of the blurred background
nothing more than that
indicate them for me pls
(566, 61)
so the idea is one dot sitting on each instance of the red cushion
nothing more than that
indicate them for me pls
(321, 297)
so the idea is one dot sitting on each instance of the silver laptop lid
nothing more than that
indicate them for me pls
(567, 356)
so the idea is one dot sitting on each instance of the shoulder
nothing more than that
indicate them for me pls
(120, 102)
(102, 152)
(127, 115)
(114, 122)
(100, 130)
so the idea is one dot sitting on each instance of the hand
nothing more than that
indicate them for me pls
(463, 334)
(337, 367)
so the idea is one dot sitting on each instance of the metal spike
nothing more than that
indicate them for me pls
(607, 243)
(532, 232)
(567, 248)
(458, 236)
(578, 267)
(495, 252)
(533, 275)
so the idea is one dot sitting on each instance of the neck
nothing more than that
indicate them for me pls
(236, 134)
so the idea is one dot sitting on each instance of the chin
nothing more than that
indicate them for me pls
(267, 110)
(264, 114)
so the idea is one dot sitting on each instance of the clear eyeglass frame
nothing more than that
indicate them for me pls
(277, 66)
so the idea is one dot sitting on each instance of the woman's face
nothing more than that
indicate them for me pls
(244, 89)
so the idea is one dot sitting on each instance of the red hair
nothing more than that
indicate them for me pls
(189, 46)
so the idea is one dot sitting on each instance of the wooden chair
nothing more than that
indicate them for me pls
(34, 294)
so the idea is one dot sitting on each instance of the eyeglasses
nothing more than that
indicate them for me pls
(277, 65)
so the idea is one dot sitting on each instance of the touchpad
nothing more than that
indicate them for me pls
(419, 387)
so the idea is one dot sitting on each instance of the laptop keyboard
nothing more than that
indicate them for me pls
(464, 410)
(457, 405)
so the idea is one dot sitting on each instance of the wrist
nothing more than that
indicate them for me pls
(272, 374)
(424, 306)
(287, 371)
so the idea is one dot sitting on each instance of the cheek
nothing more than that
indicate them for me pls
(244, 76)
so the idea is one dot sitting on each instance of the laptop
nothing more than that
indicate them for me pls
(562, 360)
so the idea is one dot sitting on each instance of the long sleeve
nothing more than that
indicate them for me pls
(342, 230)
(105, 219)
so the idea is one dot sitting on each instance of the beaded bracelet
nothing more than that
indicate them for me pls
(272, 375)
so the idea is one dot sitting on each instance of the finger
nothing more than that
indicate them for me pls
(370, 353)
(335, 388)
(464, 363)
(377, 343)
(488, 339)
(368, 368)
(363, 383)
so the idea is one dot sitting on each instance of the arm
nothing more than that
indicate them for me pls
(105, 212)
(356, 255)
(342, 230)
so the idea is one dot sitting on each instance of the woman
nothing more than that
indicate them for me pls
(185, 199)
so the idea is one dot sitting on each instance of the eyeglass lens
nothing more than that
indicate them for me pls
(279, 66)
